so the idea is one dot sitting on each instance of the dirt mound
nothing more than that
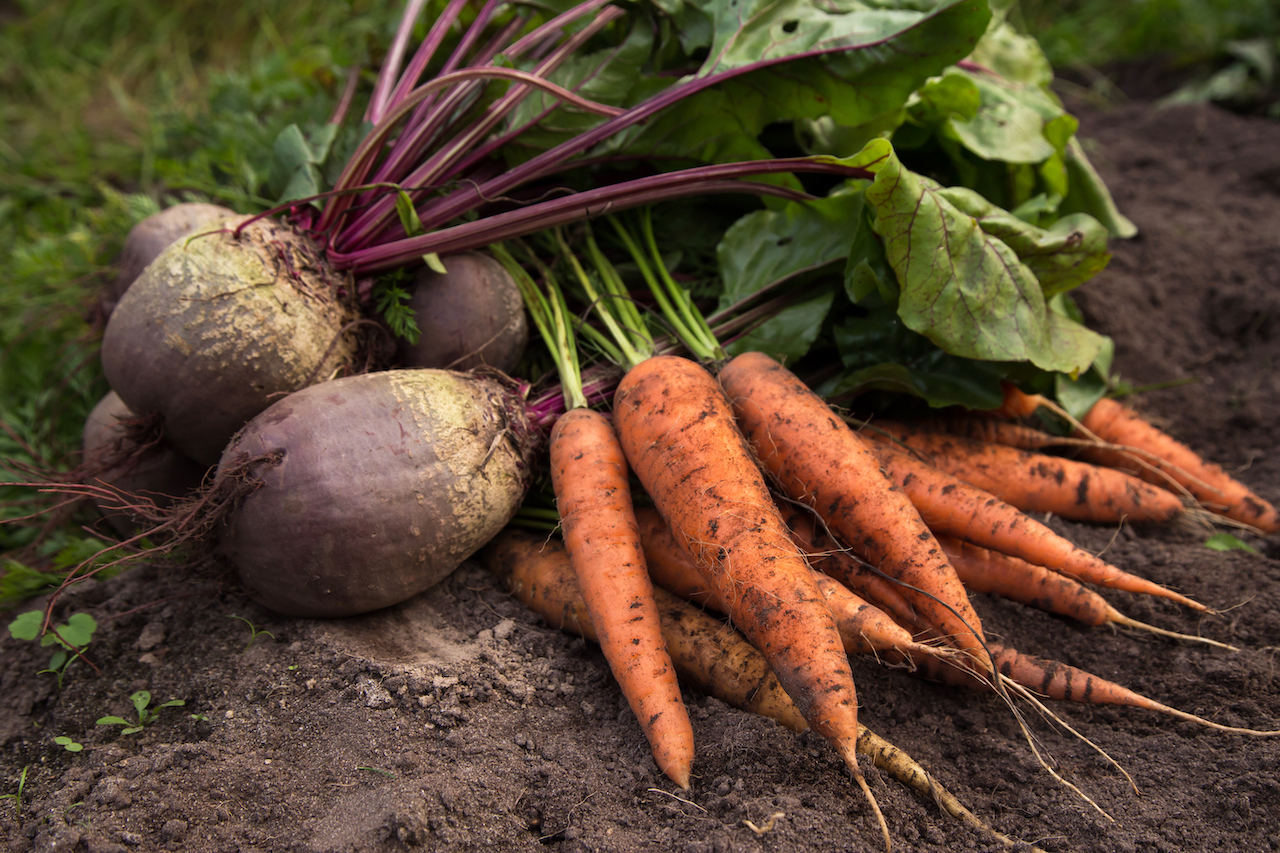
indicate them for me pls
(458, 722)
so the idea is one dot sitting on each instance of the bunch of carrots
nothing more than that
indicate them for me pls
(815, 535)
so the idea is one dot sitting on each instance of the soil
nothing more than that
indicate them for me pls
(458, 721)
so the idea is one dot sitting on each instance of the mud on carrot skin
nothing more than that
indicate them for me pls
(818, 460)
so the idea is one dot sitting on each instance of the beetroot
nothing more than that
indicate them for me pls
(152, 235)
(223, 323)
(372, 488)
(470, 316)
(123, 453)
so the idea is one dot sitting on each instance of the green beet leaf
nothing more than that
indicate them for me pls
(766, 248)
(1066, 255)
(964, 289)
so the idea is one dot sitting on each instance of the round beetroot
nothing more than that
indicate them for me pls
(152, 235)
(470, 316)
(373, 488)
(221, 324)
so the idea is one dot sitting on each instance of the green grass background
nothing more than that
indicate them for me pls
(112, 109)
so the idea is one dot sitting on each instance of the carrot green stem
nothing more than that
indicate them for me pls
(551, 315)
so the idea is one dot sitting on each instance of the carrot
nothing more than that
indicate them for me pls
(1035, 482)
(838, 563)
(678, 432)
(709, 655)
(1059, 681)
(714, 660)
(593, 495)
(993, 431)
(987, 571)
(1216, 490)
(951, 506)
(863, 627)
(818, 460)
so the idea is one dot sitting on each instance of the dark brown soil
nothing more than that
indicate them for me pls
(459, 722)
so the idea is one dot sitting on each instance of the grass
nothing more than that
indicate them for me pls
(112, 109)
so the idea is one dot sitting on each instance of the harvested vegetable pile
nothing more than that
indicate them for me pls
(830, 803)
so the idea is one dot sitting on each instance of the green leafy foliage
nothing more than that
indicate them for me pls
(1228, 542)
(146, 715)
(961, 287)
(72, 637)
(69, 744)
(391, 302)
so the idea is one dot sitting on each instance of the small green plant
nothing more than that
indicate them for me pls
(68, 744)
(17, 798)
(254, 632)
(1227, 542)
(73, 637)
(146, 714)
(200, 718)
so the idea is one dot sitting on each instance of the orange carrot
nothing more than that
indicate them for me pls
(1035, 482)
(818, 460)
(838, 563)
(1058, 681)
(951, 506)
(1216, 490)
(987, 571)
(709, 655)
(863, 627)
(993, 431)
(678, 432)
(589, 474)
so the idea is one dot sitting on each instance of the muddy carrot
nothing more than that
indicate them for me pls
(593, 495)
(1060, 681)
(864, 628)
(1216, 490)
(708, 654)
(818, 460)
(952, 506)
(678, 432)
(1036, 482)
(987, 571)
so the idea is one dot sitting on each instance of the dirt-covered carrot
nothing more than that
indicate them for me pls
(983, 570)
(1216, 490)
(1036, 482)
(995, 431)
(593, 497)
(864, 628)
(709, 655)
(837, 562)
(589, 474)
(952, 506)
(818, 460)
(678, 431)
(1059, 681)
